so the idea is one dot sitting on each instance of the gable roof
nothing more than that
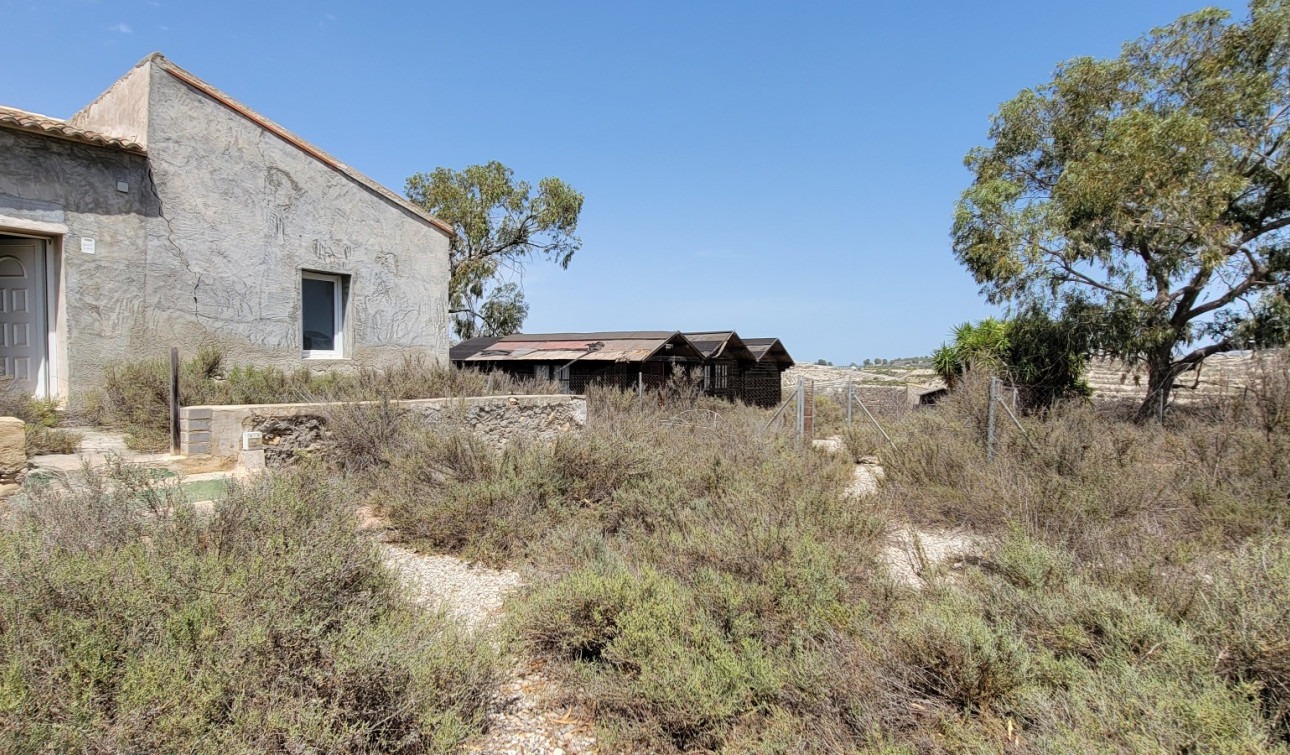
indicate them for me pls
(769, 350)
(22, 120)
(297, 142)
(724, 343)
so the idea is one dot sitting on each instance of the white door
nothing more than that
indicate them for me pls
(22, 313)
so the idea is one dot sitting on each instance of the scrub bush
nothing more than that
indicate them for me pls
(40, 419)
(129, 622)
(706, 587)
(135, 395)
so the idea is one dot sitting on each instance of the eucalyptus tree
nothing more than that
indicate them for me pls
(1152, 190)
(501, 224)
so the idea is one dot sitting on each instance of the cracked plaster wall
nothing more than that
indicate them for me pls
(208, 244)
(243, 212)
(69, 190)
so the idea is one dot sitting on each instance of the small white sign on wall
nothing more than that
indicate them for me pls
(87, 245)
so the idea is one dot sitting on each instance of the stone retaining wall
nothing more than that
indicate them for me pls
(217, 430)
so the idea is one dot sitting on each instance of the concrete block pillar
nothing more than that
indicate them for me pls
(195, 430)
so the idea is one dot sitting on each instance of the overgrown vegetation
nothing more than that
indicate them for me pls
(129, 622)
(709, 588)
(136, 394)
(40, 420)
(701, 582)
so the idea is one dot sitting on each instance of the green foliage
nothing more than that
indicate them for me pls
(650, 635)
(1152, 185)
(984, 343)
(500, 224)
(130, 623)
(1046, 357)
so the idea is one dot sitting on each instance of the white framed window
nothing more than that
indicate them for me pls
(322, 315)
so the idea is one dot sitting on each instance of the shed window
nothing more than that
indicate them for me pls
(322, 315)
(720, 377)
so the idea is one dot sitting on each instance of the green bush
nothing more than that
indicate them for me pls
(645, 638)
(131, 623)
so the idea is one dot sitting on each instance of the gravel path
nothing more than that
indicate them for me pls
(472, 594)
(523, 719)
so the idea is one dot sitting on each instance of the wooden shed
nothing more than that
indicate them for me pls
(732, 368)
(619, 358)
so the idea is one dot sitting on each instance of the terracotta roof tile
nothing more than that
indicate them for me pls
(12, 117)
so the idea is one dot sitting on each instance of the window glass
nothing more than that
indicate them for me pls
(319, 313)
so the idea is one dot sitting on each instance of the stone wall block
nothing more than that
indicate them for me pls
(13, 445)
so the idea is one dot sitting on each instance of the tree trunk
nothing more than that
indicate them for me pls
(1161, 374)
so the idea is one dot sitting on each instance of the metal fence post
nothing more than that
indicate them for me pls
(848, 401)
(989, 422)
(808, 428)
(174, 400)
(640, 386)
(801, 409)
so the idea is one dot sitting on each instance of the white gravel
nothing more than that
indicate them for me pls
(523, 718)
(526, 722)
(865, 480)
(471, 594)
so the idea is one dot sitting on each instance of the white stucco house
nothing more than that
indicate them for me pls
(165, 213)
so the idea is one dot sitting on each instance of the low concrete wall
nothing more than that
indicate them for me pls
(217, 430)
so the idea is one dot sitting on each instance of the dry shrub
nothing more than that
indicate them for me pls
(131, 623)
(1243, 612)
(706, 587)
(40, 417)
(135, 395)
(703, 565)
(363, 435)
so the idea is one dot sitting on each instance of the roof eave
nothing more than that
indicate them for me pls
(78, 136)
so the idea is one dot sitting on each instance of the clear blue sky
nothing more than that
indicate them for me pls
(778, 168)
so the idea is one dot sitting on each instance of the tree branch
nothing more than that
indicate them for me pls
(1275, 225)
(492, 327)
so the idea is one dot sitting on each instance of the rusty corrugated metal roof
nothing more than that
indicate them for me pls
(618, 346)
(661, 335)
(21, 120)
(610, 346)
